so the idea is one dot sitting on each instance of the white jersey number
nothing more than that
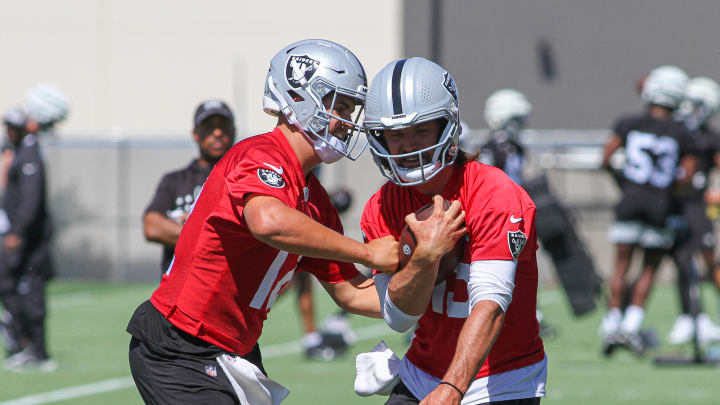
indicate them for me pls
(651, 159)
(455, 309)
(270, 275)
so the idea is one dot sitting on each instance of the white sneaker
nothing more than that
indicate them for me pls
(682, 330)
(707, 331)
(609, 326)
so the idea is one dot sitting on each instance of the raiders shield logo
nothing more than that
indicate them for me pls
(449, 84)
(299, 70)
(516, 242)
(271, 178)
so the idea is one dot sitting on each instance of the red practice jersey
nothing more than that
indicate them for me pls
(500, 219)
(222, 281)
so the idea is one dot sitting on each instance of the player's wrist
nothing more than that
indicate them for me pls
(454, 389)
(426, 258)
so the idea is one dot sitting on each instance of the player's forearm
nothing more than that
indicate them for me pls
(161, 229)
(357, 296)
(476, 339)
(410, 288)
(287, 229)
(613, 144)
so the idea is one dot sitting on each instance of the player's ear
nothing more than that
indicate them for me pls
(196, 137)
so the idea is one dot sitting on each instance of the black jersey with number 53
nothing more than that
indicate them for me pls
(653, 150)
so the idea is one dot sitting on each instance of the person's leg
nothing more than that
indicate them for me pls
(9, 314)
(611, 322)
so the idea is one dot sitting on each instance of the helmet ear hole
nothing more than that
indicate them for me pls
(295, 96)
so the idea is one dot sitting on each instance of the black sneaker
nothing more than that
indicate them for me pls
(321, 352)
(634, 342)
(610, 343)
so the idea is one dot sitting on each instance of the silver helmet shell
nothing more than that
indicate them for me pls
(405, 93)
(301, 75)
(506, 105)
(46, 103)
(701, 101)
(665, 86)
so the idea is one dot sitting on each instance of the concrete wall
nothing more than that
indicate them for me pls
(142, 66)
(601, 49)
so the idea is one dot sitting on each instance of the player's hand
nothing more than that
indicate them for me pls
(12, 242)
(182, 218)
(442, 395)
(438, 234)
(383, 254)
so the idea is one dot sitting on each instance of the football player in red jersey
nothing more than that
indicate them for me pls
(260, 217)
(477, 336)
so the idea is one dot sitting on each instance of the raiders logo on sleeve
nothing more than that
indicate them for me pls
(271, 178)
(516, 243)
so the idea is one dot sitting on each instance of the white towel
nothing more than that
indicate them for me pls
(250, 384)
(377, 371)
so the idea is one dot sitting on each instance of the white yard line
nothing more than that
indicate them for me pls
(77, 391)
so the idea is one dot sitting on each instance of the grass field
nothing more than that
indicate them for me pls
(87, 338)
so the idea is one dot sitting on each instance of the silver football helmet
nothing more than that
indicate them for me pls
(300, 76)
(665, 86)
(701, 101)
(47, 104)
(505, 106)
(405, 93)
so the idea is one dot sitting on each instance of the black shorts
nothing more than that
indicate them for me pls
(644, 205)
(170, 366)
(401, 395)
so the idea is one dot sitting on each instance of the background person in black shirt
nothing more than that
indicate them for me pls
(506, 111)
(25, 263)
(701, 102)
(214, 133)
(657, 155)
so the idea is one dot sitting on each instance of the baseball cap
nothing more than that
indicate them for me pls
(212, 107)
(15, 117)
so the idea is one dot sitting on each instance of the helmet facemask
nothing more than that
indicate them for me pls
(329, 146)
(443, 154)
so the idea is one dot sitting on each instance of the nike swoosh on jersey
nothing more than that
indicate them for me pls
(512, 219)
(278, 170)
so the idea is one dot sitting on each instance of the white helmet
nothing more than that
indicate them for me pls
(46, 104)
(702, 100)
(665, 86)
(504, 106)
(300, 76)
(405, 93)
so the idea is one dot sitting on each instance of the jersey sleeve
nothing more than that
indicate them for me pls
(259, 172)
(162, 201)
(327, 270)
(621, 128)
(503, 231)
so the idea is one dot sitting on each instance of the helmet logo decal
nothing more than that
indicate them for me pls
(299, 70)
(449, 84)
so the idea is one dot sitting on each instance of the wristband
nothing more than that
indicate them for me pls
(462, 394)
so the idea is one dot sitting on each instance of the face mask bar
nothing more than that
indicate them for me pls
(443, 156)
(694, 113)
(319, 124)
